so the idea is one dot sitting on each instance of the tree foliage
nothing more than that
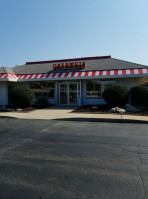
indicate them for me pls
(139, 95)
(22, 97)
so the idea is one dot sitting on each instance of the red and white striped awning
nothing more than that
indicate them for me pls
(8, 77)
(78, 75)
(86, 74)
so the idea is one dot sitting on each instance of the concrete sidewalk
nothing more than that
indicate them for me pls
(66, 113)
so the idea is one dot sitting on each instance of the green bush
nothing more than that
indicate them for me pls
(116, 95)
(22, 97)
(139, 95)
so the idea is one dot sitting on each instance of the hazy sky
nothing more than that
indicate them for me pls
(33, 30)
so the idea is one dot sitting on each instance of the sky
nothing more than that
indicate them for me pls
(38, 30)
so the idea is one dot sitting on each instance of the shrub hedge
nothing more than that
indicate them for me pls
(22, 97)
(139, 95)
(116, 95)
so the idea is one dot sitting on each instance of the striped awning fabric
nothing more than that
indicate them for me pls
(8, 77)
(81, 74)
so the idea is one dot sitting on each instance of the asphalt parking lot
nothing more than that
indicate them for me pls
(57, 159)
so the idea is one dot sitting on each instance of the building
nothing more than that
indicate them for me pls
(78, 81)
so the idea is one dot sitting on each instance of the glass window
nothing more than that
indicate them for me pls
(43, 89)
(96, 88)
(79, 90)
(50, 89)
(36, 88)
(106, 84)
(11, 85)
(93, 89)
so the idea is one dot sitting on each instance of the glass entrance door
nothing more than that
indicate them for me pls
(63, 93)
(73, 93)
(68, 93)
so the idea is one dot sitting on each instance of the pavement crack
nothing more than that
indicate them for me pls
(76, 195)
(55, 187)
(137, 155)
(67, 189)
(142, 181)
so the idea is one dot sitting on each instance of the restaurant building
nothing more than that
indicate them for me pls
(78, 81)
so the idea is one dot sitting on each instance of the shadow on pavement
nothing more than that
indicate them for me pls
(71, 108)
(103, 120)
(8, 117)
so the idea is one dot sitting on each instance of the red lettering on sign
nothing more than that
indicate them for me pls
(69, 65)
(76, 64)
(54, 66)
(83, 64)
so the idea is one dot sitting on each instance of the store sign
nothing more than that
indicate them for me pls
(69, 65)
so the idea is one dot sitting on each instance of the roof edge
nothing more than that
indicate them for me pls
(72, 59)
(130, 62)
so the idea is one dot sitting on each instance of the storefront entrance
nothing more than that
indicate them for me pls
(68, 93)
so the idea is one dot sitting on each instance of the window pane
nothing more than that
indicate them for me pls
(43, 89)
(50, 89)
(93, 89)
(106, 84)
(79, 94)
(36, 88)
